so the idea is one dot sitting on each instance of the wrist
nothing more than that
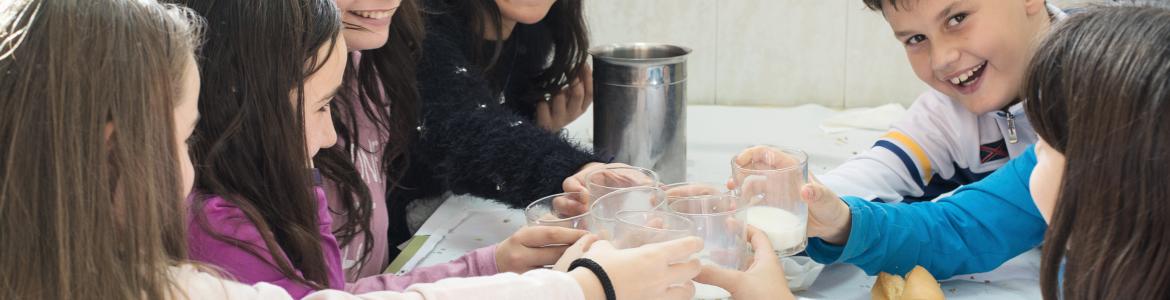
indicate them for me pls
(840, 236)
(590, 285)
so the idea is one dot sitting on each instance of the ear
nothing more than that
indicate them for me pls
(1035, 7)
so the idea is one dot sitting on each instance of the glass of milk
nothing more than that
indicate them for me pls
(769, 179)
(544, 212)
(604, 181)
(603, 212)
(714, 216)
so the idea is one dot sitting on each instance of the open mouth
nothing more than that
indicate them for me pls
(373, 14)
(970, 77)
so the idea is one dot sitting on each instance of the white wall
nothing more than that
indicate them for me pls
(835, 53)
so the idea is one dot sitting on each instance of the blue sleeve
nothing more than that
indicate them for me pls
(975, 230)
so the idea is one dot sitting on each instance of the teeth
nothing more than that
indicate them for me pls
(962, 79)
(377, 15)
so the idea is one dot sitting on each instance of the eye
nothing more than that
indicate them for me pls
(326, 106)
(914, 40)
(956, 19)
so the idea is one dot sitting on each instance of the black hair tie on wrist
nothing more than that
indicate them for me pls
(606, 285)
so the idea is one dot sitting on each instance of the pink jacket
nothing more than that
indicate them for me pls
(227, 219)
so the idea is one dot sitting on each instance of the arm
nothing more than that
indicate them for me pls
(907, 162)
(975, 230)
(538, 284)
(477, 146)
(228, 220)
(481, 262)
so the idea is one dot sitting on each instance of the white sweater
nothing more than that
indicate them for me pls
(535, 284)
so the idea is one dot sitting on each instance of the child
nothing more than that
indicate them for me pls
(1101, 79)
(488, 73)
(972, 54)
(94, 169)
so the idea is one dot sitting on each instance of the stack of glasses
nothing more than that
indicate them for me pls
(630, 207)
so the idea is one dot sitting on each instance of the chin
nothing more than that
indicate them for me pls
(364, 40)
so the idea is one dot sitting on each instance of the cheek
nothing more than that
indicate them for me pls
(187, 170)
(1043, 187)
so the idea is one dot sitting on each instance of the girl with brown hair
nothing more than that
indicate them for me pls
(89, 178)
(95, 166)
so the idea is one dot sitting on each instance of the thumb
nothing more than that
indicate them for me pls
(720, 277)
(817, 195)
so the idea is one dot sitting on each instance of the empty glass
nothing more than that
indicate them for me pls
(604, 181)
(543, 212)
(603, 212)
(716, 222)
(769, 178)
(637, 228)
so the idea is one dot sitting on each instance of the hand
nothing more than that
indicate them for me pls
(654, 271)
(568, 104)
(534, 247)
(828, 217)
(576, 184)
(764, 279)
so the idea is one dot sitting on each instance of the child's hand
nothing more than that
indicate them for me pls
(764, 279)
(576, 184)
(828, 217)
(653, 271)
(534, 247)
(568, 104)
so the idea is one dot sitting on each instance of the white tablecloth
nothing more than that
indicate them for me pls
(714, 134)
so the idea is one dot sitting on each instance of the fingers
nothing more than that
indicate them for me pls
(569, 207)
(559, 104)
(720, 277)
(544, 115)
(541, 236)
(763, 247)
(587, 82)
(685, 291)
(816, 194)
(679, 249)
(576, 97)
(684, 271)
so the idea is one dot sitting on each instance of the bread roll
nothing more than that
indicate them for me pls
(918, 285)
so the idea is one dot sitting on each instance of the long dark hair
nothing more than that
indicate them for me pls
(385, 91)
(87, 213)
(565, 28)
(1099, 92)
(249, 145)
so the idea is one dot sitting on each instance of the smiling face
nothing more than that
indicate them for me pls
(367, 22)
(974, 51)
(524, 11)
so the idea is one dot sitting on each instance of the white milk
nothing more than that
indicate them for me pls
(785, 229)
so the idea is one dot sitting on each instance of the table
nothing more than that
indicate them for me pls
(714, 134)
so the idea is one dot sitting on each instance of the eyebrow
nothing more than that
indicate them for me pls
(941, 16)
(330, 95)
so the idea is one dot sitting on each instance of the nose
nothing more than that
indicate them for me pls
(944, 57)
(328, 135)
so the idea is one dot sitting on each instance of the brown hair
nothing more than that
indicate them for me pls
(385, 82)
(84, 215)
(249, 145)
(1097, 92)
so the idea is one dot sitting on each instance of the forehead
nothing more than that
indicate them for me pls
(909, 11)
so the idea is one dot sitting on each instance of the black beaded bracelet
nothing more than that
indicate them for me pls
(606, 285)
